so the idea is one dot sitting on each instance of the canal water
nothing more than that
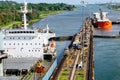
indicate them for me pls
(107, 51)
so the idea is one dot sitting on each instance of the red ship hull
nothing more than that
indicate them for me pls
(103, 25)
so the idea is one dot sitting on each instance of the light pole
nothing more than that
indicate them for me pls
(83, 5)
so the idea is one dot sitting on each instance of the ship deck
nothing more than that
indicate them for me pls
(48, 65)
(17, 63)
(25, 63)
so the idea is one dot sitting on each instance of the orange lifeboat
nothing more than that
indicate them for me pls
(52, 44)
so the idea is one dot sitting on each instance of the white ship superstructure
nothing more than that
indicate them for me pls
(26, 42)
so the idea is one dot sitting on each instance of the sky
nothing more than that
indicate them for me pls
(64, 1)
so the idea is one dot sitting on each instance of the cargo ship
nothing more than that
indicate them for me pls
(25, 47)
(26, 42)
(101, 21)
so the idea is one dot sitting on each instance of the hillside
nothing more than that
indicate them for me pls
(10, 15)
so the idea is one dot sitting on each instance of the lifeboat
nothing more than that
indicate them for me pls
(53, 48)
(52, 44)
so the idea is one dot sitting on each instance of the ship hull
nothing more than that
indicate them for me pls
(103, 25)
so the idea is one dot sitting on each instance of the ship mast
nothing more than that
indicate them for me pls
(83, 3)
(101, 14)
(24, 11)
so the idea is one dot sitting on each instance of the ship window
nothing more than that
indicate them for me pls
(9, 43)
(18, 37)
(26, 43)
(39, 37)
(10, 38)
(32, 50)
(18, 43)
(4, 37)
(14, 44)
(31, 31)
(35, 43)
(10, 32)
(35, 50)
(39, 43)
(38, 50)
(30, 43)
(6, 50)
(22, 43)
(24, 37)
(29, 50)
(4, 43)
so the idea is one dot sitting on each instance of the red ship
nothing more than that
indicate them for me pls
(101, 20)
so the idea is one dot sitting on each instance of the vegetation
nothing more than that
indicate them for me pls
(80, 75)
(29, 76)
(64, 75)
(115, 6)
(9, 13)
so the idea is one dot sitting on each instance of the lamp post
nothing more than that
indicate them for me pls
(83, 5)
